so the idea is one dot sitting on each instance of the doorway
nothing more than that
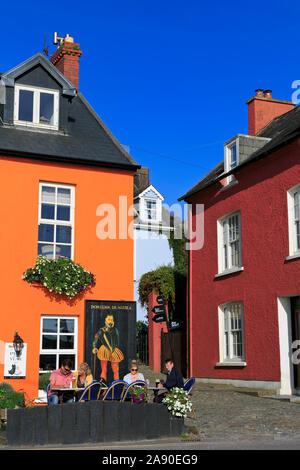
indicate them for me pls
(295, 315)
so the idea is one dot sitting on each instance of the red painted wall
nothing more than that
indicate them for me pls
(261, 196)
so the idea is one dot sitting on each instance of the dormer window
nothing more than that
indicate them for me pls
(231, 158)
(151, 211)
(36, 107)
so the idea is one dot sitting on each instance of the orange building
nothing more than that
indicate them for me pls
(60, 166)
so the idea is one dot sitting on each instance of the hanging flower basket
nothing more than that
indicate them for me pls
(60, 275)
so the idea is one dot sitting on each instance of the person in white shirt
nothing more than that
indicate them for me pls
(133, 374)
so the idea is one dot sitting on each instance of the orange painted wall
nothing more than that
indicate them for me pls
(111, 261)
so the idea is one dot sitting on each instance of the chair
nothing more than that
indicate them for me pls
(188, 386)
(129, 387)
(47, 391)
(115, 391)
(91, 392)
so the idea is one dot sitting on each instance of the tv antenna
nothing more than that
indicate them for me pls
(45, 50)
(60, 40)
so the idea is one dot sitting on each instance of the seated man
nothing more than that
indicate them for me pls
(174, 379)
(61, 378)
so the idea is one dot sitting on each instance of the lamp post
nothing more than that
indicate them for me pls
(18, 344)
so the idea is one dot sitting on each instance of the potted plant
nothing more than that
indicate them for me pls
(178, 402)
(139, 394)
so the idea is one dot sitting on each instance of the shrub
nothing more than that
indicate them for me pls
(44, 380)
(9, 398)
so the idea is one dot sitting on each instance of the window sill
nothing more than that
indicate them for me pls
(229, 185)
(290, 257)
(231, 364)
(227, 272)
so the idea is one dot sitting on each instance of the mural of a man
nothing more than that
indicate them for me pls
(108, 339)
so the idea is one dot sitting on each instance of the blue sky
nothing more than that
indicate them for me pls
(169, 78)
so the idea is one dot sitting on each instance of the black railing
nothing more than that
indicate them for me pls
(142, 348)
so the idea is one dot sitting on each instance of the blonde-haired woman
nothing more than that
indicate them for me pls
(133, 374)
(83, 376)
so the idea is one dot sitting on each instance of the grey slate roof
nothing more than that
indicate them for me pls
(281, 130)
(85, 140)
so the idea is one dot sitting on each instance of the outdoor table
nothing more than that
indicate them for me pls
(71, 389)
(155, 390)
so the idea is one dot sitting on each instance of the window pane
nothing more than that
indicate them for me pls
(63, 196)
(49, 325)
(48, 362)
(47, 211)
(49, 342)
(63, 234)
(48, 194)
(67, 356)
(46, 233)
(233, 160)
(25, 105)
(63, 250)
(66, 342)
(63, 213)
(66, 326)
(45, 250)
(46, 108)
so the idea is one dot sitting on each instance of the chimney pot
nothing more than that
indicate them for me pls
(268, 93)
(259, 92)
(66, 59)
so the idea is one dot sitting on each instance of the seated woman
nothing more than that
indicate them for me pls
(83, 377)
(133, 374)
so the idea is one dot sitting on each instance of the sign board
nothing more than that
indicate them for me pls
(160, 317)
(159, 309)
(160, 299)
(15, 365)
(176, 324)
(110, 337)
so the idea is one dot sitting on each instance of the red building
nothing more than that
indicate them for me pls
(244, 291)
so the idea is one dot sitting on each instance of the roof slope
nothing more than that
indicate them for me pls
(85, 140)
(281, 130)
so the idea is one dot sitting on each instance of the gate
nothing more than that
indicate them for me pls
(142, 348)
(178, 339)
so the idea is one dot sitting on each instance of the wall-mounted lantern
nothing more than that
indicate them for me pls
(18, 344)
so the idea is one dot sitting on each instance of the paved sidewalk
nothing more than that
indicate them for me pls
(230, 413)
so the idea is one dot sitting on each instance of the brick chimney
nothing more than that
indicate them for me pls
(262, 108)
(66, 59)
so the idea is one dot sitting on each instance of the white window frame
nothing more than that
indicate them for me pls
(59, 352)
(293, 221)
(226, 242)
(227, 159)
(36, 107)
(59, 222)
(227, 355)
(144, 210)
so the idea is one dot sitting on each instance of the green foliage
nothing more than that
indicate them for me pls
(44, 380)
(60, 275)
(177, 242)
(161, 280)
(5, 386)
(141, 327)
(138, 391)
(9, 398)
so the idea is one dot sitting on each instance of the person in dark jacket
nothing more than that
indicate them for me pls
(174, 379)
